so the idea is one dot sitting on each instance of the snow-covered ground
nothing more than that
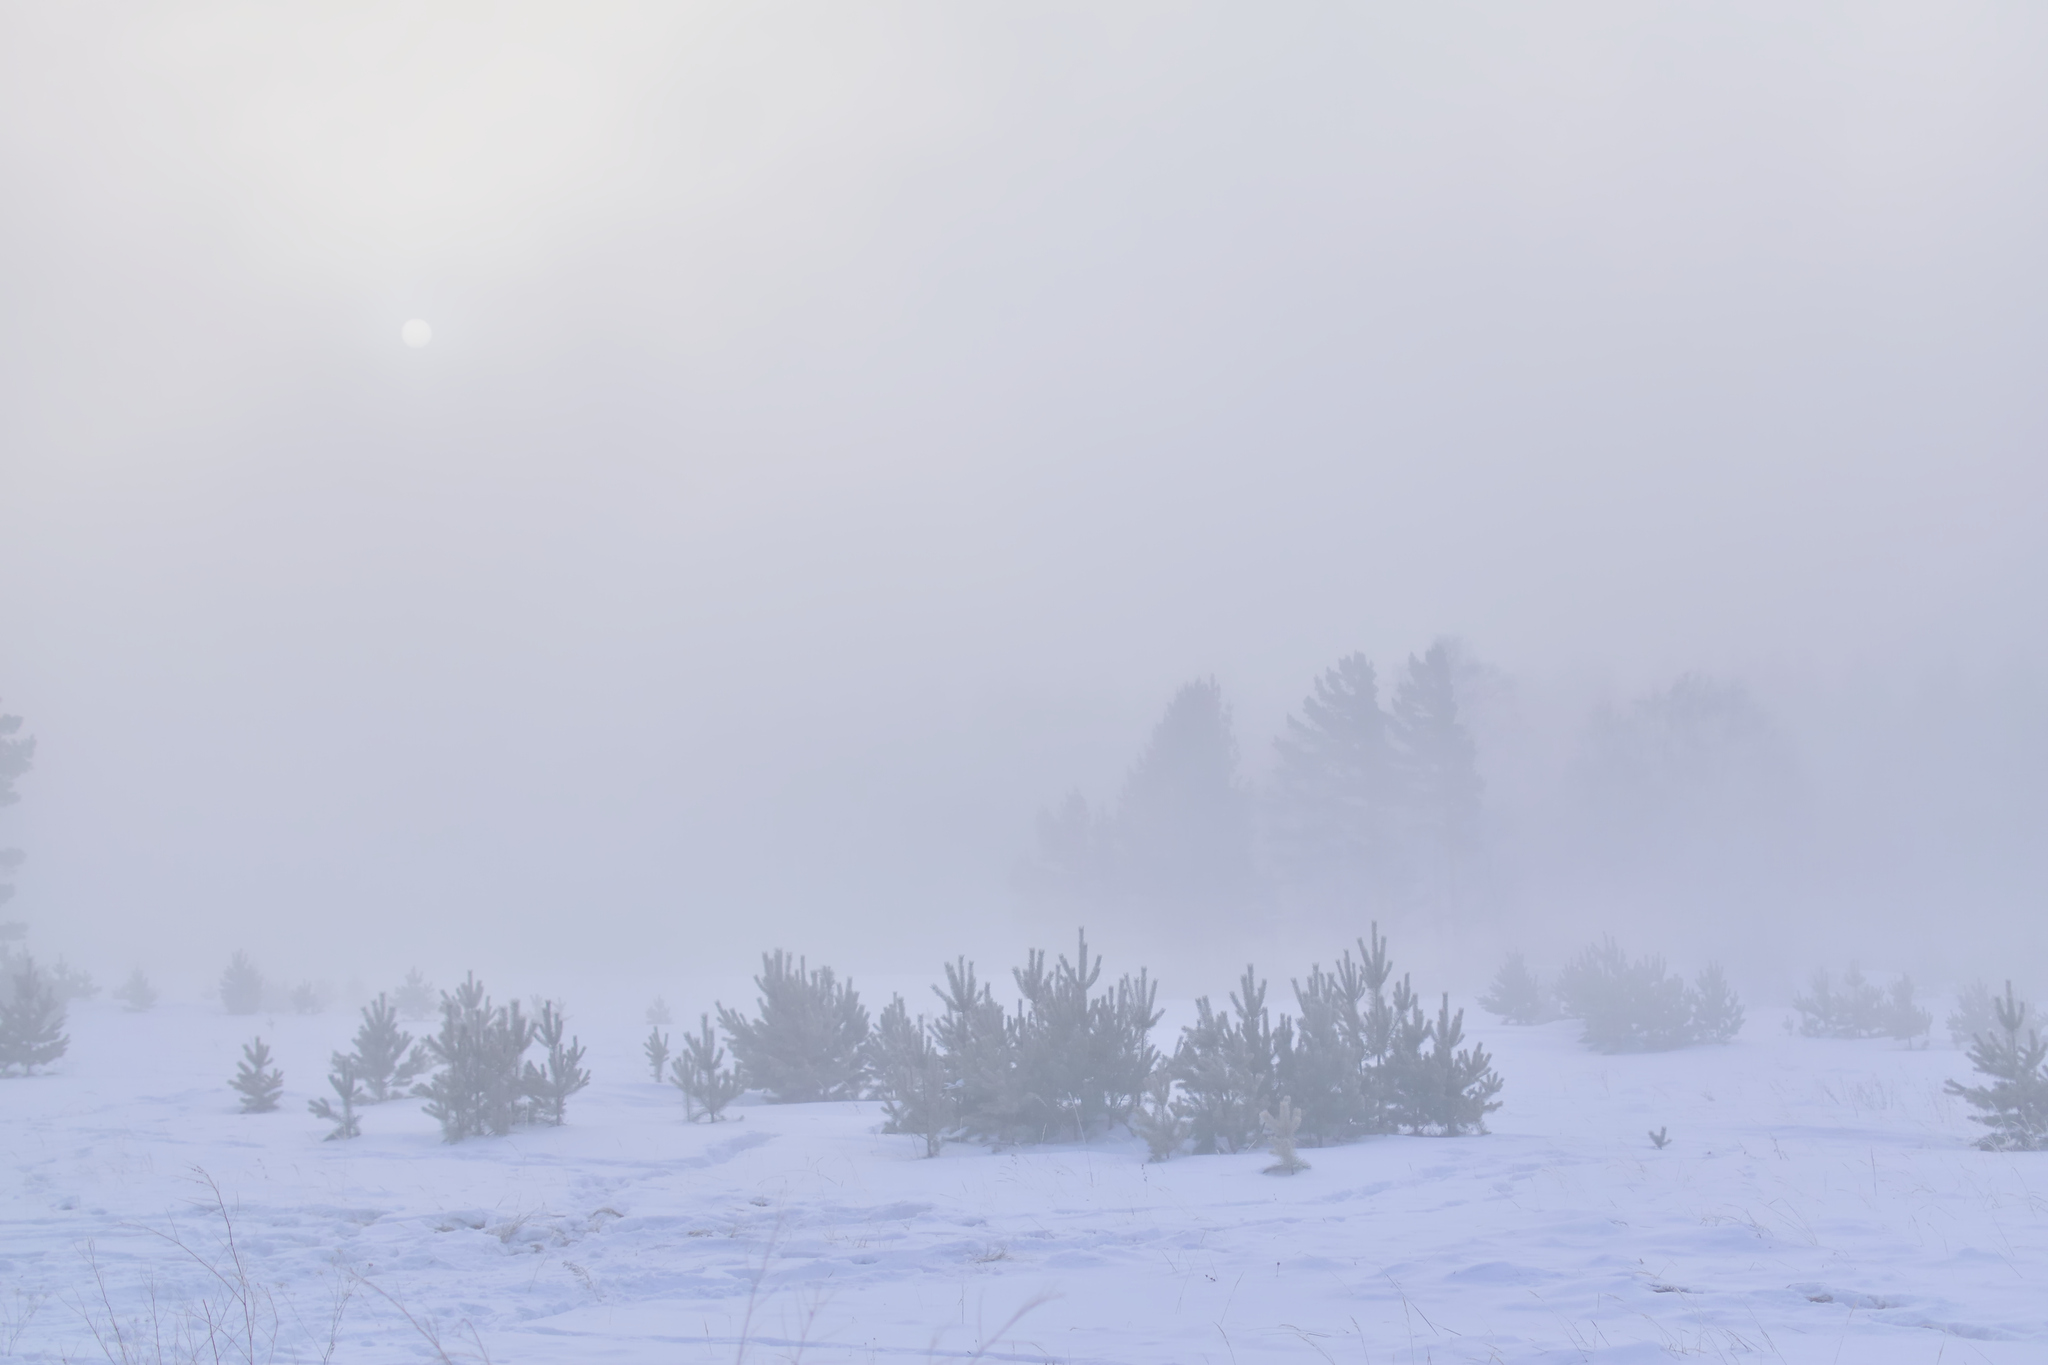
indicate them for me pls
(1819, 1202)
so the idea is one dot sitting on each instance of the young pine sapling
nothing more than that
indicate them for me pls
(2015, 1105)
(256, 1080)
(348, 1093)
(550, 1084)
(708, 1085)
(136, 992)
(31, 1019)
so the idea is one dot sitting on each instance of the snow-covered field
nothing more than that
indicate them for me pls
(1819, 1202)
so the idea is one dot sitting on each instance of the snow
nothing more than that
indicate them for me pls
(1819, 1202)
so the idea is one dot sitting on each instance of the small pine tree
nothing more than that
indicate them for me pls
(2015, 1104)
(656, 1048)
(308, 998)
(1082, 1059)
(136, 992)
(708, 1085)
(1626, 1006)
(658, 1015)
(910, 1077)
(386, 1058)
(241, 986)
(1280, 1125)
(1516, 995)
(1860, 1008)
(414, 998)
(1716, 1009)
(549, 1085)
(31, 1020)
(1227, 1066)
(478, 1087)
(1458, 1086)
(1975, 1012)
(1157, 1122)
(348, 1093)
(259, 1083)
(806, 1045)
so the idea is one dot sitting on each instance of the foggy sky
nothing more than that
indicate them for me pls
(845, 426)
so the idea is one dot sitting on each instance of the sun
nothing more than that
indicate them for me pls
(416, 333)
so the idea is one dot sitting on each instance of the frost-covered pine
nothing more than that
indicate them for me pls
(136, 992)
(308, 998)
(656, 1050)
(415, 998)
(2015, 1105)
(1280, 1125)
(806, 1044)
(910, 1077)
(386, 1059)
(549, 1084)
(1156, 1121)
(658, 1015)
(478, 1087)
(1716, 1009)
(700, 1072)
(241, 986)
(348, 1093)
(1516, 995)
(31, 1019)
(256, 1080)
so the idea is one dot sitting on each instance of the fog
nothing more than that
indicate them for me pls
(845, 429)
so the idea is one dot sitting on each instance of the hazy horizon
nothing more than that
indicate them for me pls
(844, 430)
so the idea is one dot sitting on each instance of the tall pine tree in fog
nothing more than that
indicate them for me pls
(1182, 837)
(1336, 790)
(1688, 790)
(16, 756)
(1440, 783)
(1179, 838)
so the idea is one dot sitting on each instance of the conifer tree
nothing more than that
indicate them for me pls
(31, 1020)
(1280, 1126)
(549, 1084)
(477, 1088)
(1082, 1059)
(386, 1059)
(2015, 1105)
(414, 998)
(700, 1072)
(656, 1049)
(17, 756)
(136, 992)
(1626, 1006)
(910, 1076)
(241, 986)
(348, 1093)
(1441, 786)
(1458, 1086)
(1182, 836)
(1516, 995)
(806, 1044)
(1716, 1010)
(1227, 1063)
(256, 1080)
(1158, 1121)
(1328, 1064)
(1336, 792)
